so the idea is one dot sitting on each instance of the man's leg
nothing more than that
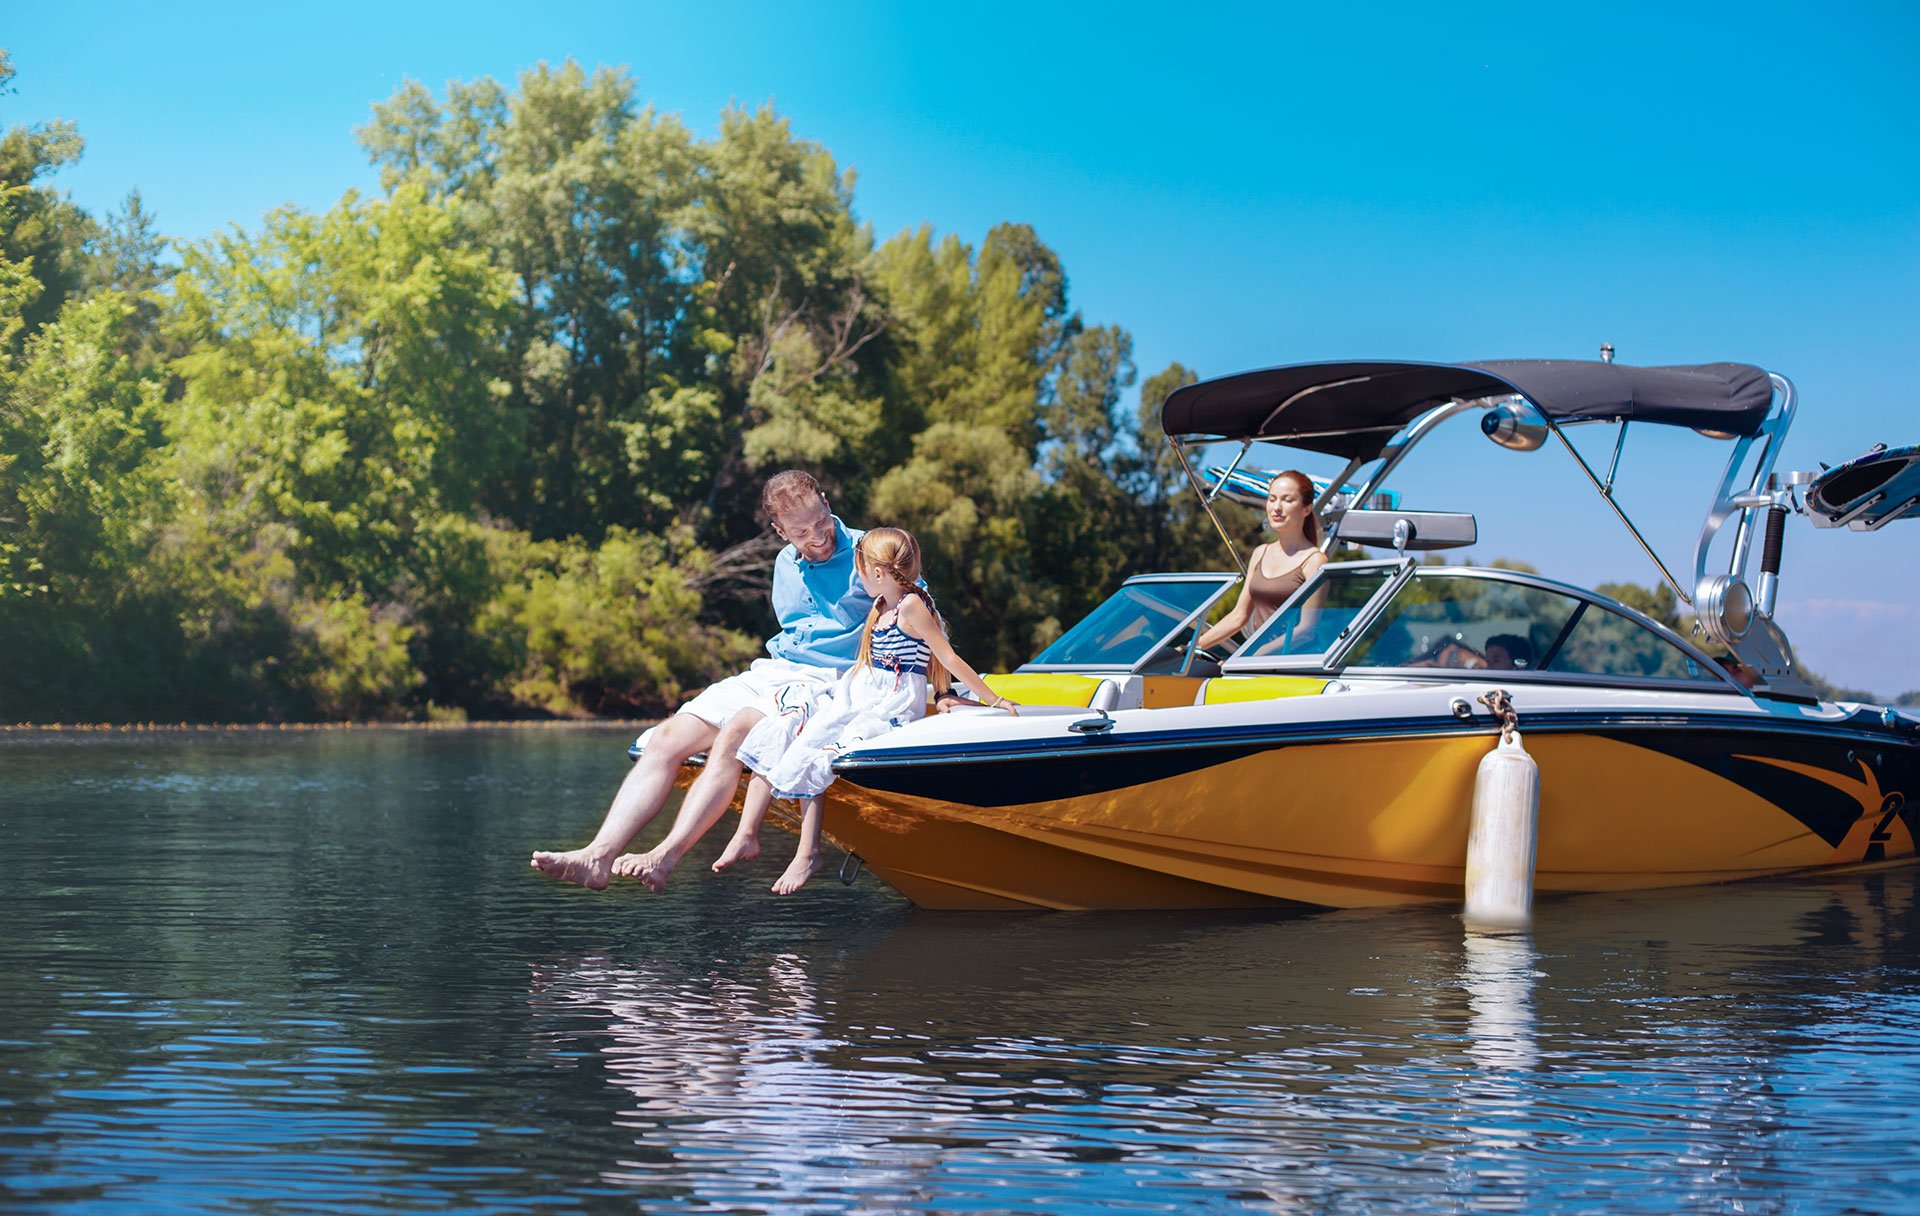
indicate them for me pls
(641, 796)
(709, 798)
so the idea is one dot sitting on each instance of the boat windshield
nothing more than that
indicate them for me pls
(1133, 623)
(1455, 619)
(1319, 613)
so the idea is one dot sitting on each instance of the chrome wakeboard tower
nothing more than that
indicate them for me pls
(1375, 414)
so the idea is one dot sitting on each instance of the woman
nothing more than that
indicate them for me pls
(1278, 568)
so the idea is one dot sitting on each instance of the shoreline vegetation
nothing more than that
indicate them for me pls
(488, 444)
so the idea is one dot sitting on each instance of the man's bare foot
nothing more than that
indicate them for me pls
(740, 848)
(798, 871)
(577, 866)
(651, 867)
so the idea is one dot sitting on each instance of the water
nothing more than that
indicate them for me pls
(313, 973)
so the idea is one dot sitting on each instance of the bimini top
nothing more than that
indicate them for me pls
(1352, 409)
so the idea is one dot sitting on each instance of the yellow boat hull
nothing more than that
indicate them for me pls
(1368, 822)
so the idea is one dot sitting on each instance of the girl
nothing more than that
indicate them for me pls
(904, 643)
(1276, 569)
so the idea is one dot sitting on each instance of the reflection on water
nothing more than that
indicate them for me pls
(314, 973)
(1497, 972)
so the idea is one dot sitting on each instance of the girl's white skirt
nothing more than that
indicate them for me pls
(794, 748)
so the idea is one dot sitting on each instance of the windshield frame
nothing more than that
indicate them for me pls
(1225, 580)
(1400, 570)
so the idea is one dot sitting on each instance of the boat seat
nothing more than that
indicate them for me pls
(1055, 688)
(1220, 690)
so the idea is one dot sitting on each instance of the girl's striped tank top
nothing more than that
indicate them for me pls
(897, 650)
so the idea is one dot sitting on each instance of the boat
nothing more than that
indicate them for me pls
(1330, 761)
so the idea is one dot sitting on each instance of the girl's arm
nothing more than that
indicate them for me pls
(918, 620)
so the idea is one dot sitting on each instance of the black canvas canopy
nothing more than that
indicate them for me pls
(1352, 409)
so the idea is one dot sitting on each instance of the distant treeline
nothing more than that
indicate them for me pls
(490, 443)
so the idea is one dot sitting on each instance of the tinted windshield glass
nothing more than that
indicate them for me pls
(1605, 643)
(1443, 619)
(1122, 631)
(1314, 617)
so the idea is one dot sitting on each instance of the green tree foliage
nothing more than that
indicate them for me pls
(580, 199)
(491, 442)
(42, 235)
(969, 493)
(340, 380)
(612, 629)
(687, 314)
(129, 256)
(1657, 601)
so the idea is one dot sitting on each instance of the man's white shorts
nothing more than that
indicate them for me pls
(751, 689)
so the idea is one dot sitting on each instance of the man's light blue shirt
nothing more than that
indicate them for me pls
(821, 606)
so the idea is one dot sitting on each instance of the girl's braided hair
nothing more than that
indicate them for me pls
(894, 553)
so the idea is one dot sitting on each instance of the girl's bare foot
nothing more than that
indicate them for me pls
(798, 871)
(576, 866)
(651, 868)
(740, 848)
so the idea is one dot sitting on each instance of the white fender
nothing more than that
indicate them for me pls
(1503, 835)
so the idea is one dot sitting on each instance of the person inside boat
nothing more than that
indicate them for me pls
(1450, 652)
(821, 606)
(1509, 652)
(1280, 567)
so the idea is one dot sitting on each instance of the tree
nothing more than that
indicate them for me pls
(784, 268)
(128, 256)
(1092, 521)
(966, 494)
(82, 502)
(338, 401)
(42, 235)
(610, 629)
(491, 442)
(1657, 602)
(582, 200)
(1177, 533)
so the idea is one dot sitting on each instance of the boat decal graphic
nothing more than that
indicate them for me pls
(1881, 821)
(1029, 771)
(1818, 779)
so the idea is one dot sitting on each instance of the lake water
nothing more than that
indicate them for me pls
(313, 973)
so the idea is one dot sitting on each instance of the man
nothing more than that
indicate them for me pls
(821, 607)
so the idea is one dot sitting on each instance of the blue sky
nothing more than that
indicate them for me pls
(1237, 187)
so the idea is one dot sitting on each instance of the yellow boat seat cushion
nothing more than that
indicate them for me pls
(1221, 690)
(1050, 688)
